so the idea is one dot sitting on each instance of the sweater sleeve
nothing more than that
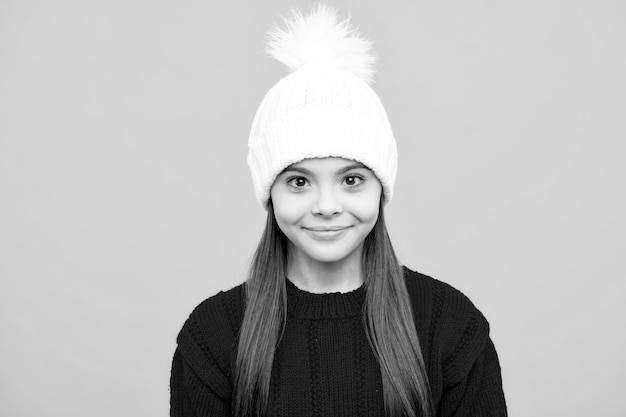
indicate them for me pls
(472, 382)
(189, 396)
(479, 392)
(200, 382)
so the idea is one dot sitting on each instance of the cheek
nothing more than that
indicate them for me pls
(287, 211)
(369, 214)
(367, 206)
(283, 217)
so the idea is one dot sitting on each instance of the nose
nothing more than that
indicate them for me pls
(327, 203)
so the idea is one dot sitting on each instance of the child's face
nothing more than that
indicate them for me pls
(326, 207)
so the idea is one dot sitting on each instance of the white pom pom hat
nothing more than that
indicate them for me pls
(324, 108)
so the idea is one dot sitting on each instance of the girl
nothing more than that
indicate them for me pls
(328, 323)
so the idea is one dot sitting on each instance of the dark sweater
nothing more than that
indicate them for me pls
(324, 365)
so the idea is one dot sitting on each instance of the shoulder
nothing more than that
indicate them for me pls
(438, 296)
(207, 340)
(221, 312)
(455, 330)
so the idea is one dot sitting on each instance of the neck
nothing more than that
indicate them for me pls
(322, 277)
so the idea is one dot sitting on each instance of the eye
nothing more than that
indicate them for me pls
(297, 182)
(353, 180)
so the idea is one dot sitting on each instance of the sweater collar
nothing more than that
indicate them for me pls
(333, 305)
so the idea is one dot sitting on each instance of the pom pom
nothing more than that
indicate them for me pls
(321, 38)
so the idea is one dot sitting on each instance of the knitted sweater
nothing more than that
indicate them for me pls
(324, 365)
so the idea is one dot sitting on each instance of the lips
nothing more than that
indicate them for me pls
(326, 228)
(327, 233)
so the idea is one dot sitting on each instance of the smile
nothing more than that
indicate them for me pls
(326, 233)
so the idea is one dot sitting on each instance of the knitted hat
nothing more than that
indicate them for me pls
(324, 108)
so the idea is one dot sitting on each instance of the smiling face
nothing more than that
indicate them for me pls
(326, 207)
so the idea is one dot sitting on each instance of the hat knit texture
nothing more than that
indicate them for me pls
(324, 107)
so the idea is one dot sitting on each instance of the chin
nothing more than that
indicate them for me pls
(329, 255)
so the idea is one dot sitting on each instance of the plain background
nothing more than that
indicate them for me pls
(126, 199)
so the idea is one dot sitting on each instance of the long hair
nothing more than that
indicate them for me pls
(387, 319)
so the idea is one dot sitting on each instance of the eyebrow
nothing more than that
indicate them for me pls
(343, 170)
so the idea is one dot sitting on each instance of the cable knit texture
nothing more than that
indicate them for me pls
(324, 365)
